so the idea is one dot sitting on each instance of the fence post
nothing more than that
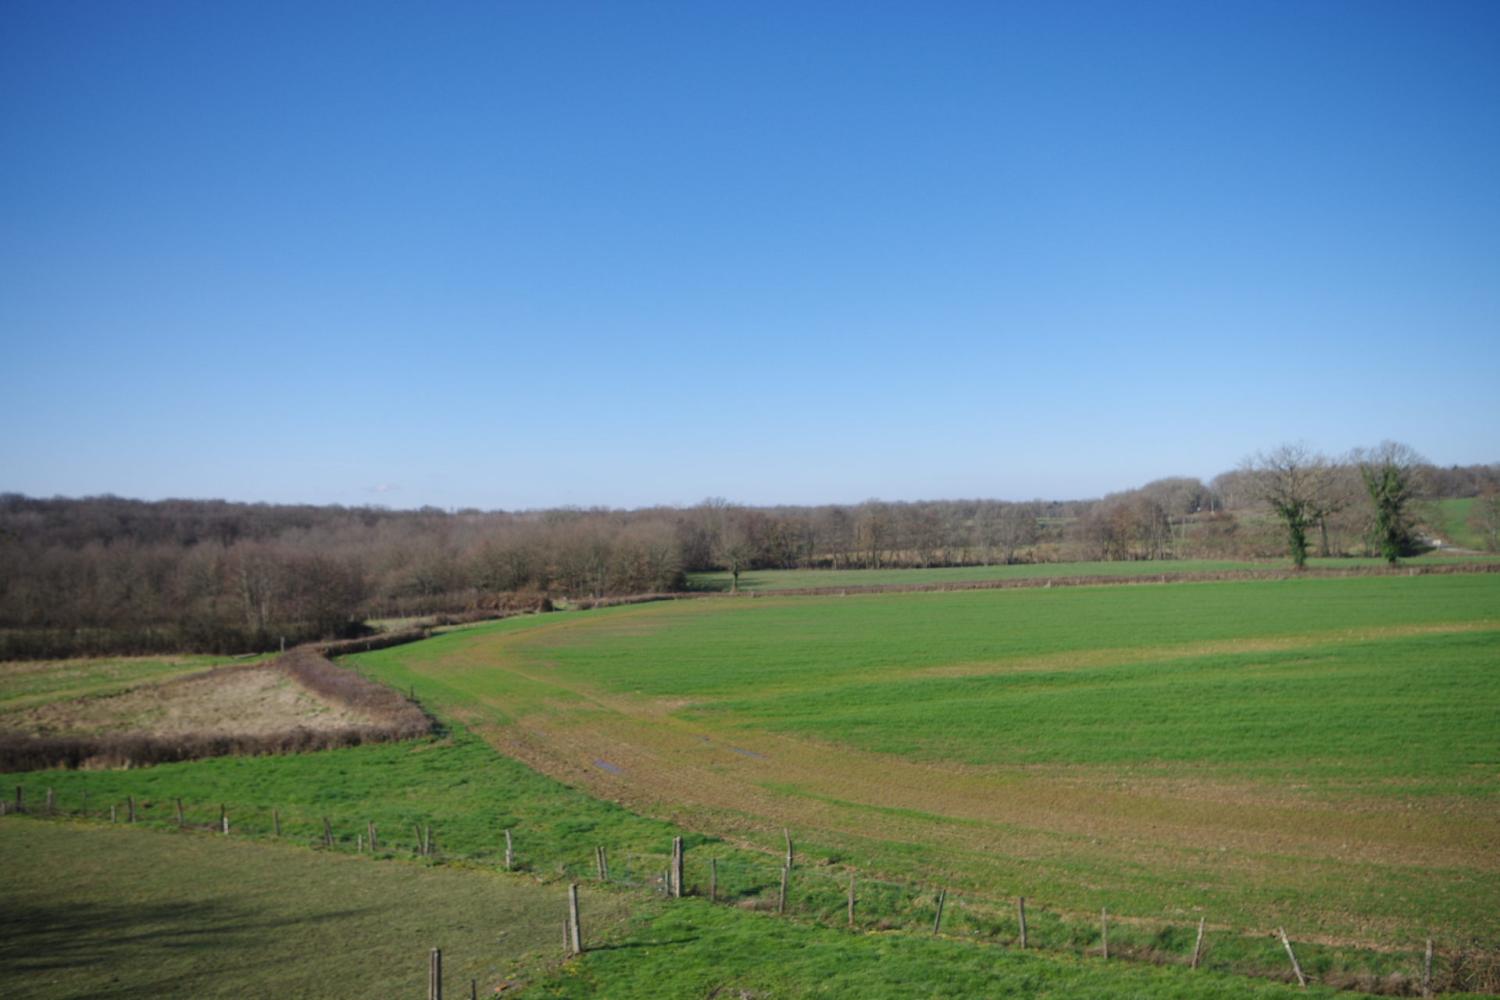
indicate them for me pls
(20, 799)
(224, 820)
(1197, 945)
(713, 880)
(180, 820)
(1301, 979)
(276, 822)
(851, 899)
(370, 832)
(786, 871)
(1021, 911)
(510, 855)
(327, 833)
(604, 856)
(113, 818)
(937, 923)
(573, 922)
(435, 975)
(1427, 971)
(677, 867)
(1104, 932)
(788, 835)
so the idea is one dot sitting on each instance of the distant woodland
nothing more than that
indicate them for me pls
(103, 575)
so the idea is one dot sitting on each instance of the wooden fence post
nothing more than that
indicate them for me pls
(1021, 912)
(112, 817)
(713, 880)
(573, 922)
(180, 820)
(786, 872)
(677, 867)
(224, 819)
(327, 833)
(416, 830)
(937, 923)
(370, 833)
(473, 989)
(1197, 945)
(1301, 979)
(20, 799)
(435, 975)
(510, 855)
(851, 899)
(1427, 971)
(275, 822)
(604, 856)
(1104, 932)
(788, 835)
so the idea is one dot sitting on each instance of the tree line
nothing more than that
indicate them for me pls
(102, 575)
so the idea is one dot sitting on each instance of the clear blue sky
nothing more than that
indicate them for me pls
(513, 255)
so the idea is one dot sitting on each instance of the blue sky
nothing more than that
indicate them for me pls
(515, 255)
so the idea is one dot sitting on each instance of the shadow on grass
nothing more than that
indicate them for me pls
(38, 939)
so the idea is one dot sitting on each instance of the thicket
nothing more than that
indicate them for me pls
(105, 575)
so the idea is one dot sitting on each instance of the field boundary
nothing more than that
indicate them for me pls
(1104, 580)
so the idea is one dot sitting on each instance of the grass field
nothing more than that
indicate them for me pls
(96, 911)
(31, 682)
(112, 912)
(1321, 753)
(800, 579)
(1452, 516)
(1316, 753)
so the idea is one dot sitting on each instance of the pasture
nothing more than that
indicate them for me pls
(1317, 753)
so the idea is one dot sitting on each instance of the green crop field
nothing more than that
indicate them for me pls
(802, 579)
(1319, 754)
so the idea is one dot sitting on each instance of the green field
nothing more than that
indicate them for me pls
(112, 912)
(804, 579)
(1321, 751)
(97, 911)
(32, 682)
(1452, 517)
(1315, 753)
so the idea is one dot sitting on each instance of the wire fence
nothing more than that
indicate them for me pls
(829, 896)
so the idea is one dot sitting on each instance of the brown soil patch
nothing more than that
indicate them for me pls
(249, 701)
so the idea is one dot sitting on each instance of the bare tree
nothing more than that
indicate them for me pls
(1297, 485)
(736, 548)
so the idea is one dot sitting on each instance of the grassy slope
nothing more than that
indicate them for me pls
(1453, 522)
(793, 579)
(1349, 704)
(111, 912)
